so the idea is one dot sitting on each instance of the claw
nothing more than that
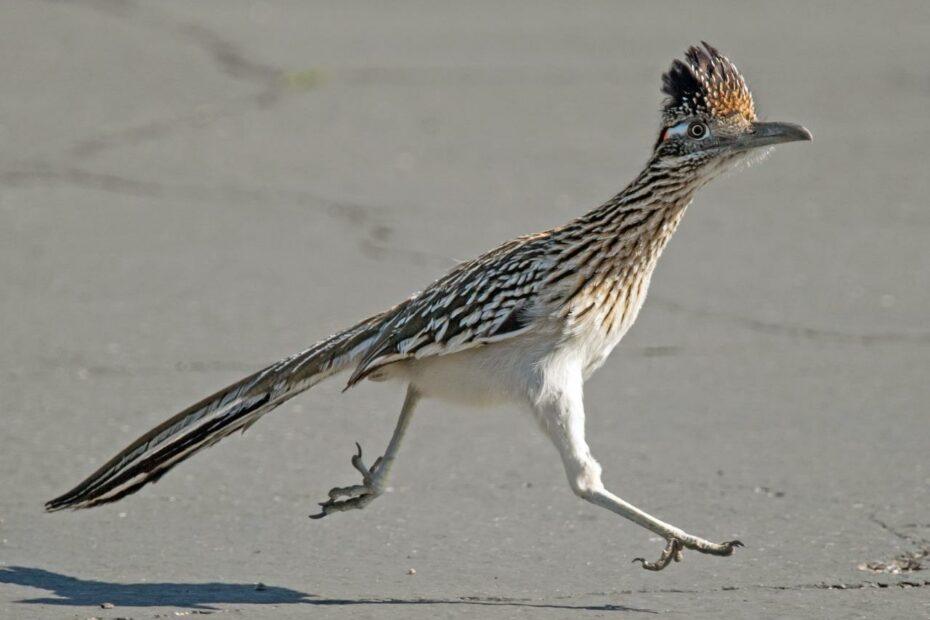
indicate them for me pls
(731, 545)
(322, 513)
(359, 465)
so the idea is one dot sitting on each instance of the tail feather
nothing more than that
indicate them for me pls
(201, 425)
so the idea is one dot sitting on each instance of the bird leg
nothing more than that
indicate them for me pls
(563, 418)
(374, 478)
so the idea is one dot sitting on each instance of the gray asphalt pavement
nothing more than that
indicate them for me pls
(189, 190)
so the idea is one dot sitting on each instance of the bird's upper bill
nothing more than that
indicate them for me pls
(708, 87)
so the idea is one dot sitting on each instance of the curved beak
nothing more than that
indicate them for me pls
(766, 134)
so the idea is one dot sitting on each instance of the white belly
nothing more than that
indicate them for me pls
(507, 371)
(492, 374)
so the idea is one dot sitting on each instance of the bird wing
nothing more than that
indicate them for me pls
(487, 299)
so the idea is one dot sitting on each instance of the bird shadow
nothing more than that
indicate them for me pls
(205, 596)
(73, 591)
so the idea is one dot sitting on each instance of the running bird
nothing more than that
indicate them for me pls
(526, 323)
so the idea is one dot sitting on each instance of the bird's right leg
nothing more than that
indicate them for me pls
(374, 478)
(562, 415)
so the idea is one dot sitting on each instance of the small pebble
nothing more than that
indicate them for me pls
(411, 571)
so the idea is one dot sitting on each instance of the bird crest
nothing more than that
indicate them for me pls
(705, 83)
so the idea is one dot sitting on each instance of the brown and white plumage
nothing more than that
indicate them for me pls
(525, 323)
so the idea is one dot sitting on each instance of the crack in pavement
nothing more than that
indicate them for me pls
(897, 533)
(795, 331)
(227, 55)
(273, 82)
(353, 213)
(859, 585)
(158, 128)
(229, 58)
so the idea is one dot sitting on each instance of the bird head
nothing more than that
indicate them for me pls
(708, 117)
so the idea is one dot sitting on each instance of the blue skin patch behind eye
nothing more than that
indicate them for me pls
(678, 130)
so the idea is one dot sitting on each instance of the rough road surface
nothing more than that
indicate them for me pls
(189, 190)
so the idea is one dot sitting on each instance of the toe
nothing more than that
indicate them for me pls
(731, 545)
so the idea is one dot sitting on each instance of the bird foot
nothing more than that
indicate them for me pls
(675, 549)
(358, 495)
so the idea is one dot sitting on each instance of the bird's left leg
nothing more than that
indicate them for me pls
(374, 478)
(562, 415)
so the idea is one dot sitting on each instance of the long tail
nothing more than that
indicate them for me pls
(203, 424)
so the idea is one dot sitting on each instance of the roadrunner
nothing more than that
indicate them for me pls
(526, 323)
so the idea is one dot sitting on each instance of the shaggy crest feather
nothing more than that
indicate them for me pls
(706, 82)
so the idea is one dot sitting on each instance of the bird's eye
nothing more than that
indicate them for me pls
(697, 130)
